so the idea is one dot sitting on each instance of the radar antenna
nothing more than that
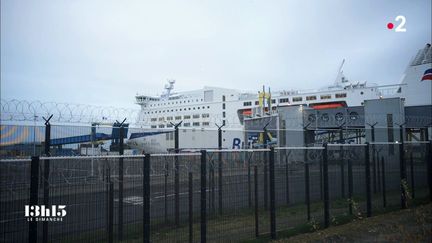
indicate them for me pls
(168, 87)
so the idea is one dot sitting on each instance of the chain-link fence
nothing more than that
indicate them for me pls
(208, 195)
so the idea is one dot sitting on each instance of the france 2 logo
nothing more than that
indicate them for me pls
(401, 26)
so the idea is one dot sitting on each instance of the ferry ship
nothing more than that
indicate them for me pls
(199, 113)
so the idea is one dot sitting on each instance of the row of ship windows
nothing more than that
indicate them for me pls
(249, 103)
(181, 109)
(186, 124)
(299, 99)
(177, 102)
(170, 118)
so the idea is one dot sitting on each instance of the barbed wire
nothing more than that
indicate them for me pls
(23, 110)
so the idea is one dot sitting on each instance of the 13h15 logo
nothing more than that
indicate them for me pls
(43, 213)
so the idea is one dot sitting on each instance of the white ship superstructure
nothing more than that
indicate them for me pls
(200, 111)
(197, 109)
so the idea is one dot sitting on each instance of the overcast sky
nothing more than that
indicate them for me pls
(104, 52)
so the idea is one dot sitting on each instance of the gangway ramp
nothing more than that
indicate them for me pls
(80, 139)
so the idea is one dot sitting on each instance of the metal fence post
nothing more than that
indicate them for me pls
(307, 191)
(325, 189)
(287, 180)
(212, 187)
(429, 168)
(107, 169)
(272, 195)
(373, 153)
(374, 173)
(34, 187)
(256, 200)
(146, 199)
(384, 196)
(265, 184)
(321, 182)
(378, 171)
(266, 159)
(111, 212)
(368, 181)
(412, 175)
(46, 200)
(203, 197)
(190, 206)
(249, 182)
(220, 176)
(402, 170)
(166, 192)
(176, 178)
(350, 186)
(342, 165)
(120, 203)
(342, 171)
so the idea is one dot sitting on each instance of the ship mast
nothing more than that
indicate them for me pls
(340, 77)
(168, 87)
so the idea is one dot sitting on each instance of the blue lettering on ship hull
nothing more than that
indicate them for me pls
(236, 143)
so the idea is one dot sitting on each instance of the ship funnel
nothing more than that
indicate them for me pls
(417, 79)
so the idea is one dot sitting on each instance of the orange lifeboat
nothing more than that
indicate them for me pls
(327, 106)
(247, 112)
